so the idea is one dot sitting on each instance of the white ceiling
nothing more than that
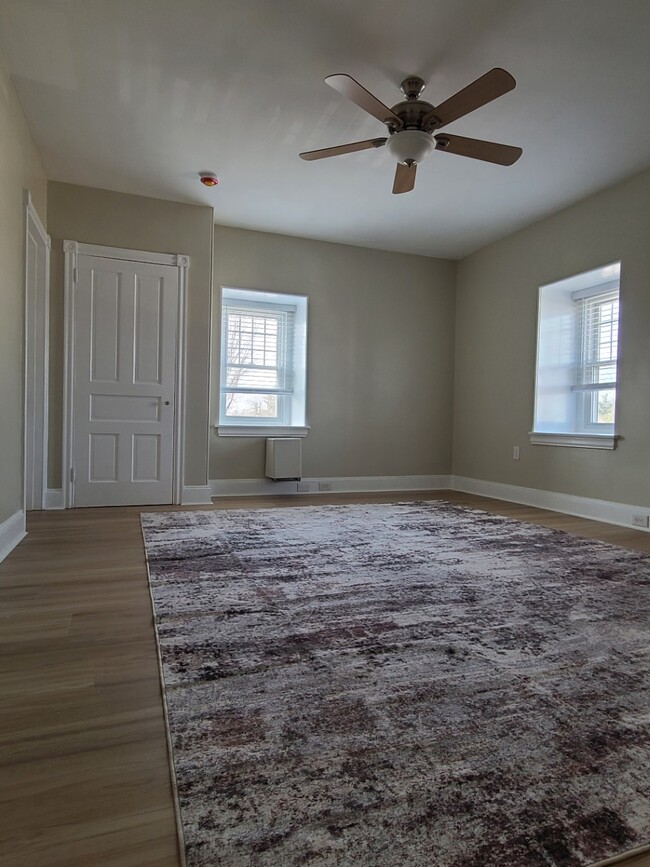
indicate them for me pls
(140, 95)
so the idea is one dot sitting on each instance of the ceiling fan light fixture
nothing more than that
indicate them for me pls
(410, 146)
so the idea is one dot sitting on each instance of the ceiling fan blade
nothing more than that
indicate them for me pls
(493, 84)
(404, 178)
(343, 149)
(354, 91)
(490, 151)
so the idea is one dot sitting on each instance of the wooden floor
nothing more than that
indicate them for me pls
(84, 776)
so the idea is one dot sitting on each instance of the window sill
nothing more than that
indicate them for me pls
(574, 440)
(249, 430)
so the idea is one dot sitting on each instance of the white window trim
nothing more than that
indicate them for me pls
(261, 430)
(574, 440)
(250, 428)
(604, 439)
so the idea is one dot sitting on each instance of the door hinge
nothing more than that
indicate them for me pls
(73, 475)
(75, 275)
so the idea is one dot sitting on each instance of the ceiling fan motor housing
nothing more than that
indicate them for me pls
(412, 113)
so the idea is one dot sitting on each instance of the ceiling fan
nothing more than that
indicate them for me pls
(411, 124)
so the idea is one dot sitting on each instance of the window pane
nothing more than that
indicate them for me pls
(604, 406)
(253, 350)
(251, 405)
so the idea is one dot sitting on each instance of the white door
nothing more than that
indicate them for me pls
(125, 356)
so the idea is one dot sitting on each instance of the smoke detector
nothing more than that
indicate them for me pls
(209, 179)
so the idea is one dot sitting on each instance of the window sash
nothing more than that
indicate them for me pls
(597, 356)
(597, 322)
(257, 359)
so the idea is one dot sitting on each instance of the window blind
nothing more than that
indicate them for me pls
(259, 349)
(597, 341)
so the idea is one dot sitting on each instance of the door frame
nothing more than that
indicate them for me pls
(36, 365)
(73, 249)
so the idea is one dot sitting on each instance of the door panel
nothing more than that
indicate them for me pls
(104, 326)
(146, 457)
(129, 407)
(125, 339)
(148, 329)
(102, 453)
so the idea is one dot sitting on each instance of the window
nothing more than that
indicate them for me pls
(263, 363)
(577, 354)
(598, 351)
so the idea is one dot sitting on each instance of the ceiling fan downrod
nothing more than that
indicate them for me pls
(412, 87)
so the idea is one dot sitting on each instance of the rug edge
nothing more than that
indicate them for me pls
(623, 856)
(180, 836)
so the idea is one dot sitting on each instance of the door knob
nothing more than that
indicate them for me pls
(166, 402)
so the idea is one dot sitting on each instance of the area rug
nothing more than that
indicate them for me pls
(417, 684)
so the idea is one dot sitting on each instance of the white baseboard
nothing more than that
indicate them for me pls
(12, 531)
(250, 487)
(335, 485)
(192, 495)
(197, 495)
(54, 498)
(363, 484)
(583, 507)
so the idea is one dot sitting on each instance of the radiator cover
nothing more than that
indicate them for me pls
(284, 458)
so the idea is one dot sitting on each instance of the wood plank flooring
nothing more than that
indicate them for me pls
(84, 774)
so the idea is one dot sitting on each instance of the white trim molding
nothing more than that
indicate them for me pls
(574, 440)
(125, 254)
(197, 495)
(72, 250)
(36, 356)
(182, 263)
(245, 430)
(327, 485)
(620, 514)
(54, 499)
(12, 531)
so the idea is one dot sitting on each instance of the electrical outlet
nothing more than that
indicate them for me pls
(640, 519)
(304, 487)
(324, 486)
(515, 453)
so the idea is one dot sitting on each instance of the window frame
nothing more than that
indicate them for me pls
(291, 393)
(573, 424)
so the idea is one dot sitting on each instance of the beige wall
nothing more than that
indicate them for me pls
(495, 349)
(119, 220)
(380, 354)
(20, 168)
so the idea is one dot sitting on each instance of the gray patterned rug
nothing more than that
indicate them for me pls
(418, 684)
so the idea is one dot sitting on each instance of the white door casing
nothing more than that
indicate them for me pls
(37, 288)
(124, 376)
